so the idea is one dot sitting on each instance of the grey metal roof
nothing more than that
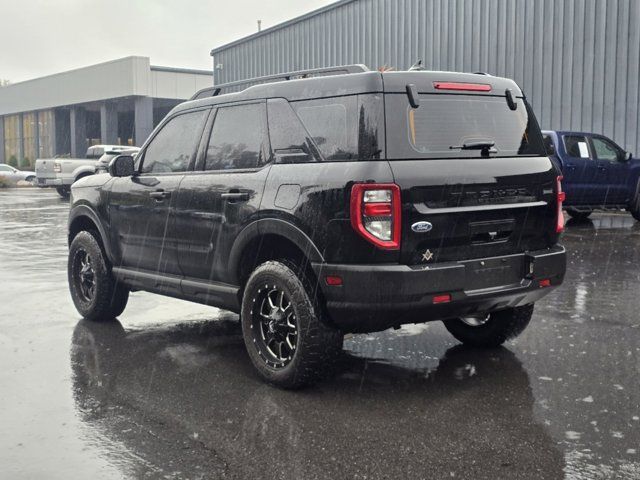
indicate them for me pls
(282, 25)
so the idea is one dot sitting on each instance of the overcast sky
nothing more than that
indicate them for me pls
(39, 37)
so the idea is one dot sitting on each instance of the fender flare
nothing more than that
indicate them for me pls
(86, 211)
(82, 171)
(271, 226)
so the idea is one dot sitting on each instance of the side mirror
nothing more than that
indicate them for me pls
(122, 166)
(626, 156)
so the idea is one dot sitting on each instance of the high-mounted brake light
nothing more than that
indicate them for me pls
(470, 87)
(375, 213)
(560, 197)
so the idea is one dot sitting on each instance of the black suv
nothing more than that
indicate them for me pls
(330, 201)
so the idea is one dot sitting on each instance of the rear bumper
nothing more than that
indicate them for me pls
(48, 182)
(376, 297)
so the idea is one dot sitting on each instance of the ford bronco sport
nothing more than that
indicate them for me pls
(330, 201)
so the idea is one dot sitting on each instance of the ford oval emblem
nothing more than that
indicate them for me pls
(421, 227)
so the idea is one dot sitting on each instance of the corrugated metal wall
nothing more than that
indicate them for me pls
(577, 60)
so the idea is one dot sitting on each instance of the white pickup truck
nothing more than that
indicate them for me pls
(61, 172)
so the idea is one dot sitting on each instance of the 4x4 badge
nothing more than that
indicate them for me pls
(428, 255)
(421, 227)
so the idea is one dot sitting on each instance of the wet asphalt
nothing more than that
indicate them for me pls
(168, 391)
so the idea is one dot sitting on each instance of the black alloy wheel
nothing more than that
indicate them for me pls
(84, 275)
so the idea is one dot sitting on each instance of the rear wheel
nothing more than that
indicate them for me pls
(285, 328)
(94, 291)
(64, 192)
(490, 329)
(579, 214)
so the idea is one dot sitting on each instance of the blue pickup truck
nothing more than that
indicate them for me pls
(598, 174)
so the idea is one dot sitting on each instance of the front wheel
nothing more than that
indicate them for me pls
(64, 192)
(285, 329)
(94, 291)
(490, 329)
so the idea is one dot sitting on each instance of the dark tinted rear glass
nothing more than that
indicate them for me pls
(238, 138)
(344, 128)
(333, 125)
(443, 123)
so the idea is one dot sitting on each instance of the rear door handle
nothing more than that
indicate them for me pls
(160, 195)
(235, 196)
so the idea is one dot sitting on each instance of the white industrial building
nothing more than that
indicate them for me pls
(117, 102)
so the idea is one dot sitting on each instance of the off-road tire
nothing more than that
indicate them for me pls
(319, 344)
(578, 215)
(64, 192)
(634, 205)
(501, 326)
(110, 298)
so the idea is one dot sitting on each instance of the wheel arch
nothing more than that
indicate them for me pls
(82, 172)
(83, 218)
(268, 239)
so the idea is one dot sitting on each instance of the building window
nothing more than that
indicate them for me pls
(29, 138)
(45, 134)
(12, 139)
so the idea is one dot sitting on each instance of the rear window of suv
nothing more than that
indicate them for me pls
(444, 123)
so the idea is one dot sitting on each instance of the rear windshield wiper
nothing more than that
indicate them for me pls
(486, 146)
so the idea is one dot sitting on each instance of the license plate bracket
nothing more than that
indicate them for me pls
(494, 272)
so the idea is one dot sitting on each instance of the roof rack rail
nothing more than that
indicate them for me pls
(338, 70)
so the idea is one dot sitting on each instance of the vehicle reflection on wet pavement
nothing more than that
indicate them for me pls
(169, 392)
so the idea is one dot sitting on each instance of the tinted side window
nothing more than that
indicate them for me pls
(238, 138)
(172, 149)
(333, 124)
(605, 150)
(290, 142)
(576, 146)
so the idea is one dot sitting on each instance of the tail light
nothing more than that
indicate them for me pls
(56, 167)
(560, 197)
(375, 213)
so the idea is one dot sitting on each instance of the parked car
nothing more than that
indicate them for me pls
(102, 165)
(61, 172)
(13, 175)
(598, 173)
(331, 203)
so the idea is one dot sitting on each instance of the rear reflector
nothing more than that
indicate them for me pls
(377, 209)
(545, 283)
(333, 280)
(446, 298)
(560, 197)
(470, 87)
